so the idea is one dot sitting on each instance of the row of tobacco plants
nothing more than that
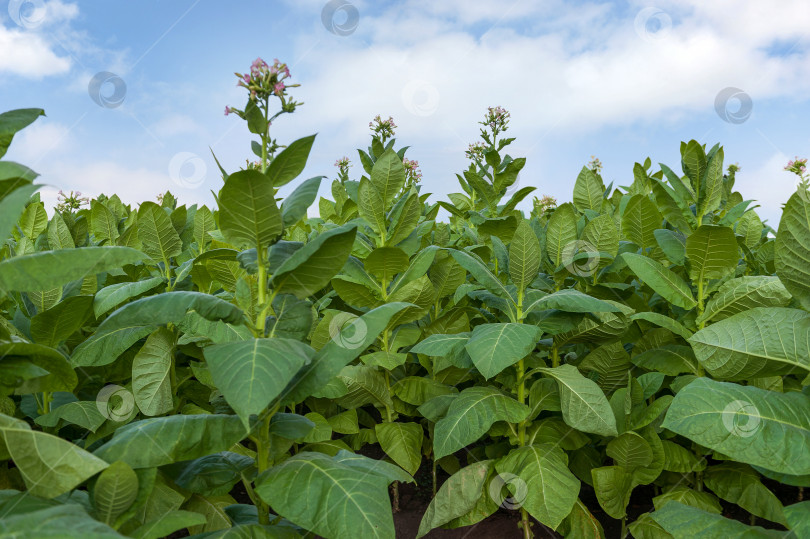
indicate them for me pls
(158, 363)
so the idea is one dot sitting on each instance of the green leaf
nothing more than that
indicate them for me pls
(588, 192)
(661, 279)
(34, 220)
(524, 256)
(572, 301)
(561, 231)
(481, 273)
(470, 416)
(50, 466)
(163, 440)
(312, 266)
(250, 374)
(156, 233)
(295, 205)
(764, 341)
(60, 377)
(85, 414)
(168, 523)
(456, 497)
(46, 270)
(13, 121)
(640, 220)
(371, 206)
(55, 325)
(793, 247)
(403, 443)
(137, 319)
(203, 224)
(69, 521)
(385, 262)
(103, 223)
(494, 347)
(711, 184)
(12, 206)
(744, 293)
(694, 163)
(739, 484)
(798, 518)
(712, 252)
(698, 499)
(349, 337)
(664, 321)
(151, 371)
(630, 451)
(549, 487)
(388, 175)
(673, 244)
(613, 486)
(584, 405)
(248, 214)
(288, 164)
(684, 521)
(342, 502)
(748, 424)
(114, 491)
(114, 295)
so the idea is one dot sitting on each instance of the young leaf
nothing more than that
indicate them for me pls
(584, 405)
(288, 164)
(712, 252)
(456, 497)
(403, 443)
(388, 175)
(151, 371)
(155, 231)
(295, 206)
(793, 248)
(524, 256)
(114, 491)
(494, 347)
(661, 279)
(248, 215)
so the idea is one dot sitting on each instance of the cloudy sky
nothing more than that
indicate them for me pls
(618, 80)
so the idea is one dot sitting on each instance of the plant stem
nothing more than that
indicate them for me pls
(262, 278)
(624, 527)
(702, 324)
(434, 475)
(263, 462)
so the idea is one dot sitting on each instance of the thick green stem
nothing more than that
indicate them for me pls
(624, 527)
(702, 324)
(262, 284)
(433, 473)
(263, 462)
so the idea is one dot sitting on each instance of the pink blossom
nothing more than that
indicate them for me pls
(278, 88)
(227, 110)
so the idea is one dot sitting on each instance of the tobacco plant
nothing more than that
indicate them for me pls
(227, 371)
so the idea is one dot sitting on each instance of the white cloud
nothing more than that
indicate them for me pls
(29, 55)
(41, 141)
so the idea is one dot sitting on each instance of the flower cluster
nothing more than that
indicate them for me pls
(253, 165)
(475, 151)
(343, 165)
(71, 202)
(799, 168)
(382, 128)
(264, 81)
(542, 205)
(412, 173)
(595, 164)
(497, 119)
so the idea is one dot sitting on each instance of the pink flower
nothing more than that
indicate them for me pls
(227, 110)
(278, 88)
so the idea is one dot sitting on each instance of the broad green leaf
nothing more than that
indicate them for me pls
(151, 371)
(572, 301)
(342, 502)
(602, 235)
(13, 121)
(295, 205)
(798, 518)
(613, 486)
(114, 295)
(748, 424)
(371, 206)
(441, 345)
(792, 250)
(388, 175)
(48, 269)
(661, 279)
(744, 293)
(60, 321)
(684, 521)
(588, 192)
(550, 490)
(524, 256)
(481, 273)
(135, 320)
(85, 414)
(673, 244)
(69, 521)
(115, 490)
(630, 451)
(163, 440)
(712, 252)
(581, 524)
(213, 509)
(103, 223)
(764, 341)
(212, 475)
(312, 266)
(644, 527)
(203, 224)
(640, 220)
(350, 336)
(711, 184)
(584, 405)
(664, 321)
(403, 443)
(290, 162)
(34, 220)
(12, 206)
(385, 262)
(670, 359)
(739, 484)
(693, 498)
(60, 377)
(156, 233)
(168, 523)
(248, 214)
(250, 374)
(494, 347)
(561, 231)
(472, 412)
(456, 497)
(50, 466)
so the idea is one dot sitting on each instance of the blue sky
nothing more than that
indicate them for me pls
(619, 80)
